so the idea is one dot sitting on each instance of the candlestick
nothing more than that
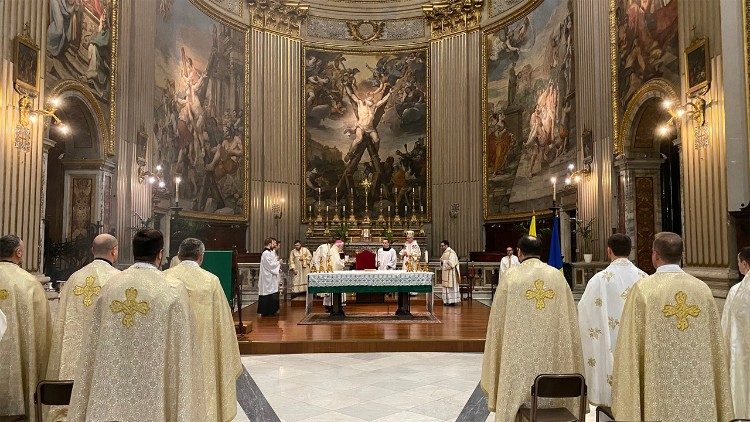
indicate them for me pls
(554, 188)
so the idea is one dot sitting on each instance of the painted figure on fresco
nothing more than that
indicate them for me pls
(530, 102)
(365, 119)
(199, 118)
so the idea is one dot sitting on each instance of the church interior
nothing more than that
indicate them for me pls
(374, 210)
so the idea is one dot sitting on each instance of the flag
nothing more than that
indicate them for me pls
(532, 227)
(555, 249)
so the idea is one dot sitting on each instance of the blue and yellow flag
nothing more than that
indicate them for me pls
(555, 249)
(532, 227)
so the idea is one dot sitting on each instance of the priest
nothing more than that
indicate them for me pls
(670, 362)
(300, 259)
(599, 310)
(532, 330)
(320, 257)
(386, 257)
(141, 357)
(735, 323)
(215, 331)
(73, 321)
(508, 261)
(410, 253)
(24, 348)
(268, 284)
(450, 275)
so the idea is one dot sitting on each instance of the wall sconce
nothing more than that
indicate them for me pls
(575, 176)
(28, 115)
(454, 210)
(694, 109)
(153, 178)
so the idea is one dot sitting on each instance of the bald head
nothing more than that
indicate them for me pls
(104, 246)
(667, 249)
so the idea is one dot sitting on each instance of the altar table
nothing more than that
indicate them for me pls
(368, 282)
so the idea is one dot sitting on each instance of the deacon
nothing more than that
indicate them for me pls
(508, 261)
(141, 360)
(410, 252)
(214, 330)
(299, 264)
(268, 285)
(73, 321)
(450, 274)
(386, 258)
(24, 348)
(669, 358)
(601, 305)
(735, 322)
(532, 330)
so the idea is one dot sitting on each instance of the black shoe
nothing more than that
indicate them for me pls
(329, 309)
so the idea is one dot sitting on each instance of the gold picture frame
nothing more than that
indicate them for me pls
(697, 67)
(26, 63)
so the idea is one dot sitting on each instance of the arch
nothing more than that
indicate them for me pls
(654, 89)
(72, 88)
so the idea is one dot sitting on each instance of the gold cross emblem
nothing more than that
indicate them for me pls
(129, 307)
(4, 294)
(594, 333)
(681, 310)
(88, 290)
(539, 294)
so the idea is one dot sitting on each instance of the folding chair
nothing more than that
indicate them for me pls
(556, 386)
(605, 411)
(52, 393)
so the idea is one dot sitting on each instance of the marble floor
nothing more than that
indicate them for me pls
(381, 387)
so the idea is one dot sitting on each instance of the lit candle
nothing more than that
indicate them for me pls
(554, 188)
(318, 191)
(421, 209)
(326, 209)
(351, 191)
(337, 192)
(177, 181)
(344, 209)
(310, 209)
(389, 210)
(406, 209)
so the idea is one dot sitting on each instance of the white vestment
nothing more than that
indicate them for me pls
(321, 253)
(73, 323)
(3, 324)
(386, 260)
(735, 323)
(599, 309)
(508, 262)
(450, 276)
(269, 273)
(335, 263)
(410, 251)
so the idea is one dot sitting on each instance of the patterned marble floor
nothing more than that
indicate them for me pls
(355, 387)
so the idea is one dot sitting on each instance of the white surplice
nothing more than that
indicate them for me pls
(735, 323)
(269, 273)
(599, 313)
(508, 262)
(386, 260)
(410, 251)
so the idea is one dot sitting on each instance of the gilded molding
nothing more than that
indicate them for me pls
(357, 29)
(453, 16)
(71, 85)
(277, 16)
(339, 29)
(653, 88)
(746, 26)
(614, 78)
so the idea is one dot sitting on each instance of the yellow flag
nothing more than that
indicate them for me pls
(532, 227)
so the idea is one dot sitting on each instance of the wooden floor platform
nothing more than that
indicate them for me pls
(461, 329)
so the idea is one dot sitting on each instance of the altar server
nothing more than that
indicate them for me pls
(599, 313)
(300, 260)
(670, 362)
(73, 321)
(450, 274)
(268, 284)
(24, 348)
(735, 322)
(214, 330)
(386, 257)
(532, 330)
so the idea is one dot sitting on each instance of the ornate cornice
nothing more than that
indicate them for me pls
(278, 16)
(356, 30)
(453, 16)
(365, 31)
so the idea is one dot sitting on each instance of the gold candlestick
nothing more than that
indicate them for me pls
(396, 218)
(366, 184)
(351, 210)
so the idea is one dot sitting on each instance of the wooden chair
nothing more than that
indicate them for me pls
(604, 411)
(466, 285)
(556, 386)
(52, 393)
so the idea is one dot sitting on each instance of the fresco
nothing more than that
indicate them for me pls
(366, 118)
(199, 110)
(529, 110)
(647, 45)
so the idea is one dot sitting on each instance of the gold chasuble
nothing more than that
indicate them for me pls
(533, 329)
(141, 360)
(669, 358)
(216, 337)
(73, 321)
(25, 346)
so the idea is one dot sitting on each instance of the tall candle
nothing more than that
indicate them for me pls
(389, 210)
(421, 209)
(326, 209)
(310, 209)
(344, 209)
(318, 191)
(425, 256)
(351, 191)
(337, 192)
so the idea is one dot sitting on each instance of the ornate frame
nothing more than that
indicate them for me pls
(486, 32)
(614, 75)
(428, 128)
(23, 40)
(246, 119)
(697, 44)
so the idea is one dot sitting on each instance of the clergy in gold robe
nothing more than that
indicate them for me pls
(335, 263)
(215, 331)
(142, 361)
(410, 253)
(450, 274)
(24, 348)
(532, 330)
(735, 323)
(670, 362)
(599, 314)
(300, 260)
(320, 257)
(73, 320)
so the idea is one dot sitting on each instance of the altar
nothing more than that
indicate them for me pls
(370, 281)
